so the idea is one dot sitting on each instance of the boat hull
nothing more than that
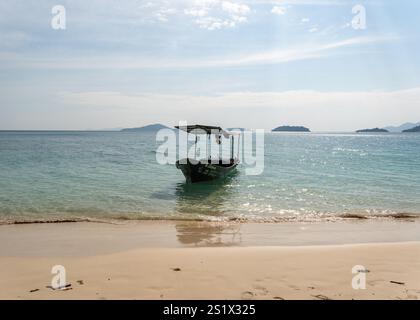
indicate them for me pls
(202, 171)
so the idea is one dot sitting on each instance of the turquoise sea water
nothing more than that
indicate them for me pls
(114, 175)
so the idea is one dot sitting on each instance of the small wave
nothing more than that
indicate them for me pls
(354, 216)
(401, 216)
(404, 216)
(46, 221)
(228, 219)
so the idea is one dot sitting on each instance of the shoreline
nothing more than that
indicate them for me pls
(344, 217)
(196, 260)
(49, 239)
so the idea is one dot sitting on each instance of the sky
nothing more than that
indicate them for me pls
(238, 63)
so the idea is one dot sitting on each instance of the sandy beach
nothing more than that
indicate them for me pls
(169, 260)
(209, 150)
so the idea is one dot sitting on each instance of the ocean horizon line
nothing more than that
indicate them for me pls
(121, 131)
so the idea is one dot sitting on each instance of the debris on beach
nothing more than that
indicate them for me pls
(80, 282)
(63, 288)
(247, 295)
(33, 290)
(398, 282)
(321, 297)
(176, 269)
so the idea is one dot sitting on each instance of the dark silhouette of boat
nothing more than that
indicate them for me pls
(207, 169)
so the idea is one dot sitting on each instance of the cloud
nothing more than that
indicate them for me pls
(330, 110)
(306, 2)
(196, 12)
(235, 8)
(215, 14)
(162, 14)
(279, 10)
(276, 56)
(13, 39)
(211, 23)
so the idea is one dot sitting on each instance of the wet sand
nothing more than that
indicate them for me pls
(180, 260)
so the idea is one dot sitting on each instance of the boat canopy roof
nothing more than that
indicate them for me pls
(201, 129)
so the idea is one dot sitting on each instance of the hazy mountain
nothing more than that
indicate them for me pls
(402, 127)
(148, 128)
(415, 129)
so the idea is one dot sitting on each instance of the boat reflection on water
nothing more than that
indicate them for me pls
(201, 201)
(209, 234)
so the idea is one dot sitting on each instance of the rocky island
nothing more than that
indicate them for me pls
(374, 130)
(291, 129)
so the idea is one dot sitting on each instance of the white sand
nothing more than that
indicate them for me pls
(148, 272)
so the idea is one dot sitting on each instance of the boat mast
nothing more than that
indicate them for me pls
(195, 147)
(239, 143)
(232, 144)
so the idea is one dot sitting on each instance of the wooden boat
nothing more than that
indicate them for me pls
(208, 169)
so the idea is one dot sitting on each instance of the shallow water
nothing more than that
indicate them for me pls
(114, 175)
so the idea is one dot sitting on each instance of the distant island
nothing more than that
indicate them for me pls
(149, 128)
(372, 130)
(291, 129)
(415, 129)
(403, 127)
